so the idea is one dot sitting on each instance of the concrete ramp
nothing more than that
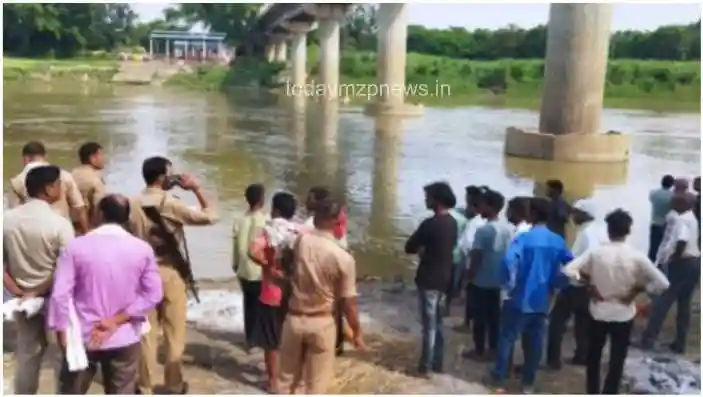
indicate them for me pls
(142, 73)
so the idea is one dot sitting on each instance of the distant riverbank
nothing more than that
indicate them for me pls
(630, 84)
(48, 69)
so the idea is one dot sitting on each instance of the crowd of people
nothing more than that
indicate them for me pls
(522, 281)
(107, 271)
(106, 274)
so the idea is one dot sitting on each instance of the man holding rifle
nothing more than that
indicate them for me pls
(158, 217)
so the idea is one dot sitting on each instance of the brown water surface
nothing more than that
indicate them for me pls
(378, 165)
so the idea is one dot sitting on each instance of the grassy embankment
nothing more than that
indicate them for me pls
(638, 84)
(91, 68)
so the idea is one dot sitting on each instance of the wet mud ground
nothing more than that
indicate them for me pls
(216, 361)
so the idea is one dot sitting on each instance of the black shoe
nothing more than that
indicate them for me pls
(676, 348)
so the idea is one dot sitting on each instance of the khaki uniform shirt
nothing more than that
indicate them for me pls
(323, 273)
(175, 212)
(33, 235)
(91, 184)
(245, 231)
(70, 195)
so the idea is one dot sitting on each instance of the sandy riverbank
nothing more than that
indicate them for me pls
(216, 362)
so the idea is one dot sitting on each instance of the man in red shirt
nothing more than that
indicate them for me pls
(267, 250)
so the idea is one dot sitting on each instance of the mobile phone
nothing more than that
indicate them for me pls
(172, 181)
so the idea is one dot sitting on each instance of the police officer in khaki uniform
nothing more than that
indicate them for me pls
(170, 314)
(70, 200)
(322, 273)
(89, 177)
(33, 235)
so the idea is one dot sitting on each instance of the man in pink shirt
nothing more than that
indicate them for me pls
(111, 279)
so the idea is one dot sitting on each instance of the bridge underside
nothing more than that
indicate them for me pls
(275, 22)
(283, 21)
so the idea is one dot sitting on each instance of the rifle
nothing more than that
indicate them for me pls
(170, 248)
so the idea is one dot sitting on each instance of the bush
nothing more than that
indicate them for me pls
(625, 78)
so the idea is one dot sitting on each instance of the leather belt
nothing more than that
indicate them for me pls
(321, 313)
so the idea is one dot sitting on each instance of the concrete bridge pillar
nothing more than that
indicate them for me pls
(330, 16)
(578, 37)
(391, 61)
(281, 52)
(299, 54)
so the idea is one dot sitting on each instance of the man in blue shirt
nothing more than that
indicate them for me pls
(530, 273)
(490, 243)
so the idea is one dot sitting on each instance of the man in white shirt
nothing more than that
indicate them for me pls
(573, 300)
(466, 241)
(680, 256)
(615, 274)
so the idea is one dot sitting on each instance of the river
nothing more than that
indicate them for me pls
(380, 166)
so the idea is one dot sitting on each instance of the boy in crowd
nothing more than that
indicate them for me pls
(474, 195)
(530, 275)
(269, 251)
(573, 300)
(660, 200)
(615, 273)
(518, 214)
(490, 243)
(248, 272)
(433, 241)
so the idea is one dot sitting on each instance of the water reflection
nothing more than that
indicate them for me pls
(580, 180)
(378, 165)
(384, 185)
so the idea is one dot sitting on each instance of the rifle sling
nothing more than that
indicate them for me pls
(171, 244)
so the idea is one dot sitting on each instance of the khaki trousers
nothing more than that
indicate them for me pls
(307, 354)
(33, 343)
(170, 317)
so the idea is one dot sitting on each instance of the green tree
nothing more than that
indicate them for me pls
(234, 20)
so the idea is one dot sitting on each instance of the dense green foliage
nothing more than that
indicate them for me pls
(63, 30)
(678, 43)
(75, 68)
(66, 30)
(232, 19)
(520, 77)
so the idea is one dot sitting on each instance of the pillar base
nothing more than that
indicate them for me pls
(585, 148)
(398, 110)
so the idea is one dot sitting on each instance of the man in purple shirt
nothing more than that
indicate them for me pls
(112, 280)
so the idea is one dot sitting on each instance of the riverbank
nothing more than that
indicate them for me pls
(48, 69)
(216, 361)
(431, 80)
(446, 82)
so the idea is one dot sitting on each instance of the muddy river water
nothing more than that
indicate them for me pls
(378, 165)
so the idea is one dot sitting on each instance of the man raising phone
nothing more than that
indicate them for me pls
(170, 314)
